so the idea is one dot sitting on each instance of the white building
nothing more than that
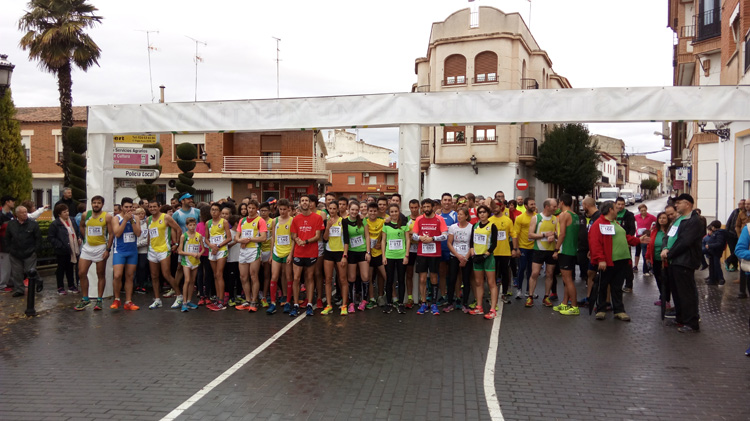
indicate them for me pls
(343, 146)
(607, 165)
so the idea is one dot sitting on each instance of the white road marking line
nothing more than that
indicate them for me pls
(490, 395)
(231, 370)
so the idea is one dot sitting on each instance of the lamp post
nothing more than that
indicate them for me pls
(6, 71)
(474, 164)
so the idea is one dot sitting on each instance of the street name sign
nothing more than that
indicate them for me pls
(134, 138)
(136, 156)
(128, 173)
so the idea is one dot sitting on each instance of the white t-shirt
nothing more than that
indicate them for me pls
(461, 238)
(234, 251)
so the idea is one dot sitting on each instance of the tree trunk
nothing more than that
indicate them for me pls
(64, 86)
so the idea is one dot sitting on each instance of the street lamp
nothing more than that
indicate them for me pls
(474, 164)
(723, 133)
(203, 157)
(6, 71)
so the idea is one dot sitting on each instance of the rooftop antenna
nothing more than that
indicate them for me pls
(278, 40)
(197, 59)
(150, 48)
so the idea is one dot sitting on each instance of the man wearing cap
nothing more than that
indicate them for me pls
(682, 249)
(272, 202)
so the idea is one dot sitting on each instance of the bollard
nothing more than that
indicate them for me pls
(35, 285)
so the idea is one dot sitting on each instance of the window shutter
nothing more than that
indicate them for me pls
(455, 65)
(270, 143)
(485, 63)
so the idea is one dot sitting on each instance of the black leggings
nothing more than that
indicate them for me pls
(65, 269)
(231, 278)
(395, 271)
(502, 271)
(204, 279)
(454, 267)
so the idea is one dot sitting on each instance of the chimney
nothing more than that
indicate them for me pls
(161, 94)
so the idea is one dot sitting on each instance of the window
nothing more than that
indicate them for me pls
(455, 70)
(373, 179)
(26, 142)
(203, 196)
(197, 139)
(484, 134)
(38, 195)
(350, 179)
(59, 147)
(455, 134)
(390, 179)
(485, 67)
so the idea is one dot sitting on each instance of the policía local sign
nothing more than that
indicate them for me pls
(128, 173)
(136, 156)
(134, 138)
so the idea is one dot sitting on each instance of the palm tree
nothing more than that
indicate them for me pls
(55, 36)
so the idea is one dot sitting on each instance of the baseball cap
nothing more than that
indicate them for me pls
(271, 200)
(186, 196)
(687, 197)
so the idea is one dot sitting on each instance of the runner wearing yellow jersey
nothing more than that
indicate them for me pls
(333, 235)
(375, 226)
(522, 246)
(265, 253)
(190, 250)
(217, 231)
(251, 233)
(163, 233)
(415, 211)
(543, 231)
(281, 261)
(502, 252)
(95, 249)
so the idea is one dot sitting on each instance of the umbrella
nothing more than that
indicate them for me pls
(594, 295)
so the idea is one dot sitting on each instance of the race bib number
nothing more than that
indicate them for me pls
(247, 234)
(216, 239)
(282, 240)
(372, 243)
(607, 229)
(95, 231)
(193, 248)
(502, 235)
(396, 244)
(128, 237)
(429, 248)
(153, 232)
(480, 239)
(357, 241)
(672, 231)
(334, 232)
(413, 248)
(461, 249)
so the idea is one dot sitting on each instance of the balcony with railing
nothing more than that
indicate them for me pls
(527, 150)
(484, 78)
(454, 81)
(273, 165)
(707, 24)
(528, 83)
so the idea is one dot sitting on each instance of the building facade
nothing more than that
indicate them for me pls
(343, 146)
(273, 164)
(482, 50)
(359, 179)
(615, 148)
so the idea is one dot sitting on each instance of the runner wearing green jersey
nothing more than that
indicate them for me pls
(566, 253)
(357, 253)
(395, 242)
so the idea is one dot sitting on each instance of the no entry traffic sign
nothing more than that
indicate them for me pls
(522, 184)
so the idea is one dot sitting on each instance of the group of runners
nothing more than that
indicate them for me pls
(340, 255)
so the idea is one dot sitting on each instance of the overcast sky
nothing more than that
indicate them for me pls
(337, 48)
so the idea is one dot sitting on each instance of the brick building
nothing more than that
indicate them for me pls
(279, 164)
(359, 179)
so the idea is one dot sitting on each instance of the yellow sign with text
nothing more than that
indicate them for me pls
(135, 138)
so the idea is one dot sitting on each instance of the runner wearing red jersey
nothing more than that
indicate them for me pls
(305, 230)
(429, 230)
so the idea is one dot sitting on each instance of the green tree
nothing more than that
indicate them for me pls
(649, 184)
(186, 152)
(55, 36)
(148, 190)
(568, 158)
(15, 175)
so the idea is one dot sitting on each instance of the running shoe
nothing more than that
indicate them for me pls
(216, 306)
(442, 300)
(82, 304)
(529, 302)
(130, 306)
(156, 304)
(185, 308)
(382, 301)
(115, 305)
(73, 290)
(410, 302)
(571, 311)
(434, 309)
(202, 301)
(271, 309)
(98, 304)
(554, 296)
(363, 305)
(344, 312)
(466, 310)
(387, 309)
(422, 308)
(560, 307)
(519, 295)
(239, 300)
(242, 307)
(477, 311)
(510, 292)
(319, 303)
(600, 315)
(264, 303)
(401, 309)
(628, 290)
(287, 308)
(294, 312)
(473, 305)
(370, 304)
(505, 300)
(448, 308)
(177, 302)
(547, 302)
(351, 308)
(747, 352)
(491, 315)
(252, 307)
(327, 310)
(583, 302)
(310, 310)
(232, 303)
(169, 294)
(192, 305)
(61, 291)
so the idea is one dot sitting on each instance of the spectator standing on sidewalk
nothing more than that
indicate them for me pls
(626, 219)
(682, 249)
(715, 244)
(731, 262)
(6, 215)
(743, 254)
(644, 221)
(23, 240)
(67, 199)
(66, 240)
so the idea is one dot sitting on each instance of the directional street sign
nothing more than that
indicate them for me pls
(136, 156)
(134, 138)
(127, 173)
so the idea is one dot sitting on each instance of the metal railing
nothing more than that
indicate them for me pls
(687, 31)
(484, 78)
(483, 139)
(273, 164)
(528, 147)
(528, 83)
(454, 80)
(707, 24)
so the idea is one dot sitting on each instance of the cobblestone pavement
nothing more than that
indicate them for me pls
(142, 365)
